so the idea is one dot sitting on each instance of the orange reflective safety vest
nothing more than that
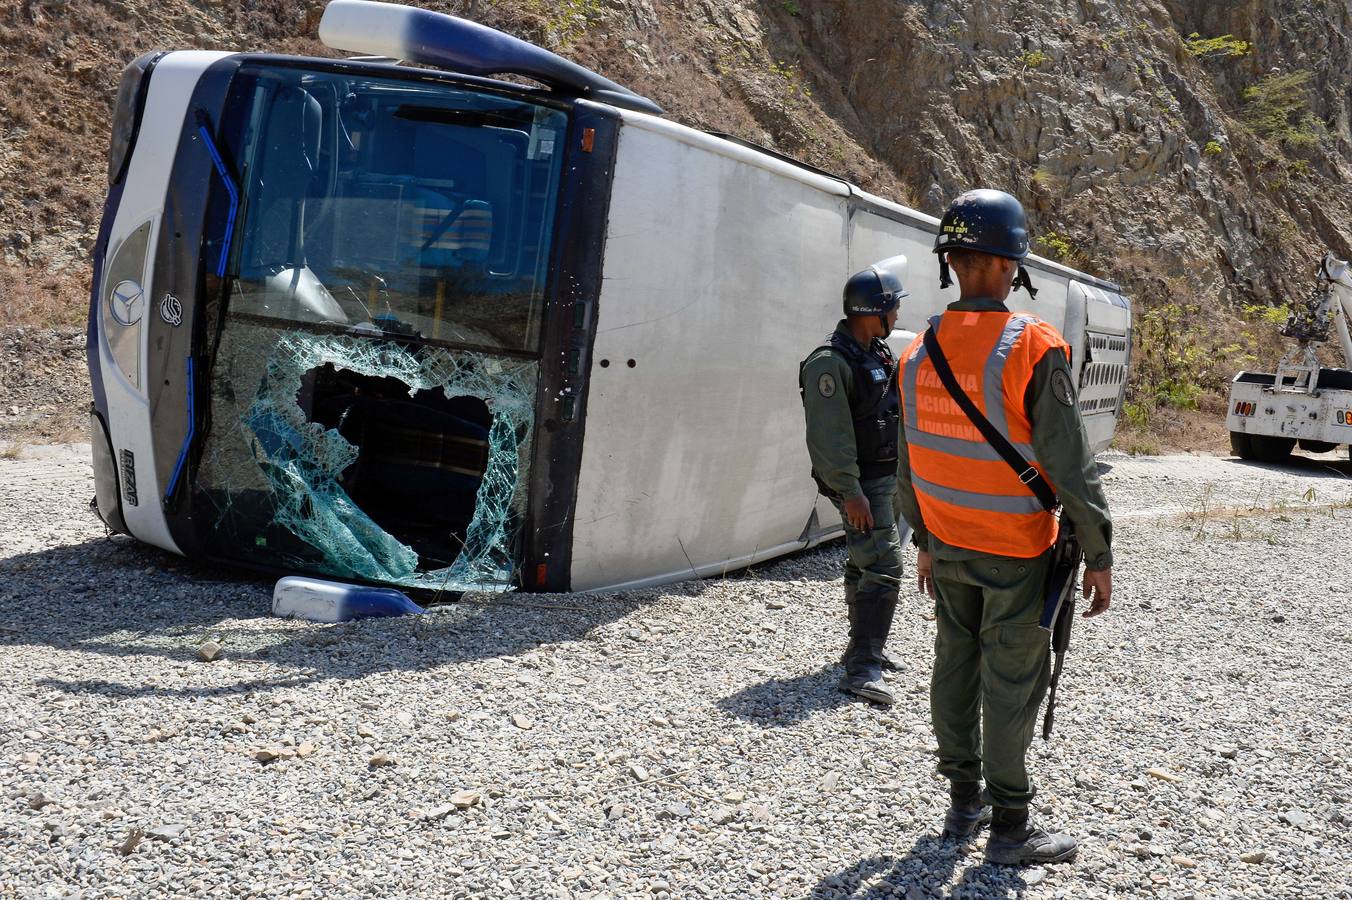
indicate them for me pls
(970, 497)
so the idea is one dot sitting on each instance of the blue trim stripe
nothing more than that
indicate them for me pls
(187, 439)
(234, 199)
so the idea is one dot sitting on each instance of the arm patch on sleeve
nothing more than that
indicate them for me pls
(1062, 389)
(826, 385)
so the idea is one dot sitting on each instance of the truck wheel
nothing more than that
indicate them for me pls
(1317, 446)
(1241, 446)
(1270, 449)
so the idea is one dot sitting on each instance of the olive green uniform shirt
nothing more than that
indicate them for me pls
(827, 381)
(1061, 447)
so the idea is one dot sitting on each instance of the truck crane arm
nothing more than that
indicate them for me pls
(1326, 308)
(1337, 273)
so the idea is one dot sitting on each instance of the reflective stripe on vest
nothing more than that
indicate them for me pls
(969, 495)
(973, 500)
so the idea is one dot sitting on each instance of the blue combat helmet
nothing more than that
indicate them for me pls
(984, 221)
(877, 290)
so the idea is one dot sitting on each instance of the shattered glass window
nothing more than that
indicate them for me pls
(374, 380)
(387, 462)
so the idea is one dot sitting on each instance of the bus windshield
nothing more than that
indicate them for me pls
(390, 206)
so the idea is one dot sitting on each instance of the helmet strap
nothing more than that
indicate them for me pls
(945, 280)
(1022, 280)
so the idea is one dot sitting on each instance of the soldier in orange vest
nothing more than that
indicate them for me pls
(984, 536)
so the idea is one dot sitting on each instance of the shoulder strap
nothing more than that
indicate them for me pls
(848, 347)
(1027, 473)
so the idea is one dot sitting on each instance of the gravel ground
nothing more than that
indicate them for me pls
(682, 742)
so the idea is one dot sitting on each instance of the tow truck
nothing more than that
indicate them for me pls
(1304, 402)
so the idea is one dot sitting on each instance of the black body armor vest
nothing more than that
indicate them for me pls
(875, 403)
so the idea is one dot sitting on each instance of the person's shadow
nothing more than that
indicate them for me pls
(784, 702)
(922, 873)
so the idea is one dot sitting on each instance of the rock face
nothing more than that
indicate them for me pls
(1129, 140)
(1135, 141)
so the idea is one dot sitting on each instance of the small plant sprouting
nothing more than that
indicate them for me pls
(1032, 59)
(1059, 244)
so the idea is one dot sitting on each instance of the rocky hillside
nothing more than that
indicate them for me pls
(1199, 153)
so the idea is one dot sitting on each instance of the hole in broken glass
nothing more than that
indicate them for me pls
(421, 457)
(378, 461)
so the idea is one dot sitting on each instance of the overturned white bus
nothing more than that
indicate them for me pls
(424, 328)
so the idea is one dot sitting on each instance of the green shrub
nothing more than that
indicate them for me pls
(566, 20)
(1278, 107)
(1181, 394)
(1057, 244)
(1298, 168)
(1178, 357)
(1031, 59)
(1225, 46)
(1137, 414)
(1213, 148)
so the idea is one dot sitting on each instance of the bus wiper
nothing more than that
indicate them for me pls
(210, 143)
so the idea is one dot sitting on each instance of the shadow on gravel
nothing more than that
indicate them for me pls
(782, 702)
(924, 872)
(1304, 466)
(119, 598)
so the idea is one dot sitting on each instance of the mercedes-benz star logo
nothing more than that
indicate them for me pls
(127, 303)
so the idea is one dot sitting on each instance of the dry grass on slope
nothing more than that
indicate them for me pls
(59, 67)
(31, 296)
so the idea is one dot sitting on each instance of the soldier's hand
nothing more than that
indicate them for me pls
(924, 572)
(1098, 584)
(858, 513)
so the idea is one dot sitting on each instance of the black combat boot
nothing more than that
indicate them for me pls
(870, 622)
(852, 611)
(889, 661)
(881, 655)
(1014, 842)
(966, 810)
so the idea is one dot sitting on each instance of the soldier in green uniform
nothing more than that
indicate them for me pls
(991, 659)
(849, 390)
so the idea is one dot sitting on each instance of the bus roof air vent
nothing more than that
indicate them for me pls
(459, 45)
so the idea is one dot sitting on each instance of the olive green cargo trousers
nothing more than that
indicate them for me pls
(991, 669)
(873, 558)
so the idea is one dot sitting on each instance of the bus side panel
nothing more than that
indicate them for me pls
(720, 276)
(123, 348)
